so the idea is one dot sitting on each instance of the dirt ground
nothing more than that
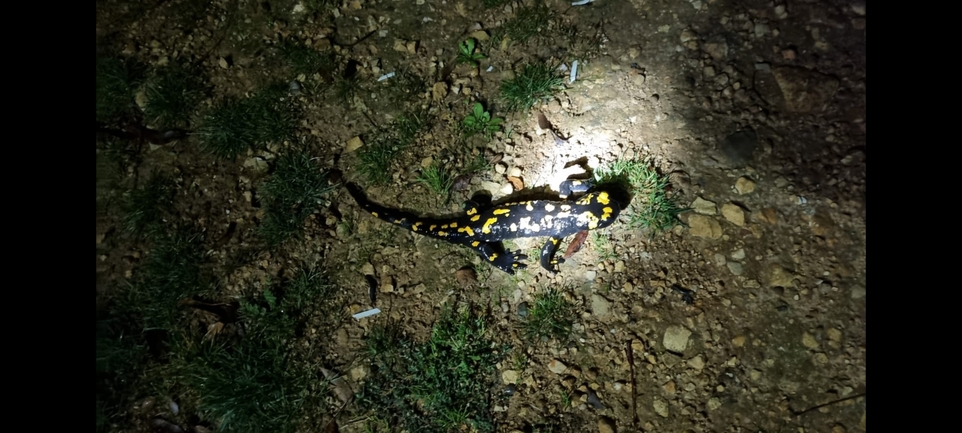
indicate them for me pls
(754, 109)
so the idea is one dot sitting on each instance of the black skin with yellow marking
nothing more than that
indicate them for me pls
(484, 229)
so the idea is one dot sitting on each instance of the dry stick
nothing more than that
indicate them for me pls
(634, 403)
(862, 394)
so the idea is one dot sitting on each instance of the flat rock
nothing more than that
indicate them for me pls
(744, 185)
(779, 276)
(676, 338)
(354, 143)
(661, 407)
(804, 90)
(509, 377)
(734, 214)
(599, 305)
(557, 367)
(704, 227)
(703, 206)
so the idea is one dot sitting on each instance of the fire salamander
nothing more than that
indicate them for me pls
(484, 229)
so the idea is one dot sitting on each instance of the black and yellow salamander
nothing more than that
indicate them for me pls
(484, 229)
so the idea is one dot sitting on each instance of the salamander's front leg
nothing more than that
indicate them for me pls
(548, 260)
(494, 253)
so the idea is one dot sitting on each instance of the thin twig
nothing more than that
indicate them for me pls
(862, 394)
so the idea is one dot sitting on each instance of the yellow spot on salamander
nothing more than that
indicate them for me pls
(565, 207)
(591, 219)
(603, 198)
(576, 182)
(416, 226)
(528, 206)
(486, 228)
(554, 241)
(374, 213)
(454, 225)
(501, 211)
(466, 229)
(493, 256)
(476, 217)
(444, 226)
(549, 207)
(433, 226)
(472, 211)
(440, 233)
(607, 213)
(475, 243)
(513, 227)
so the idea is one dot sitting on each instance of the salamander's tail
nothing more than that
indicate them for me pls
(390, 215)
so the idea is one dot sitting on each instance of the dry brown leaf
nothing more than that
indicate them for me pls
(466, 276)
(576, 244)
(213, 330)
(342, 390)
(543, 122)
(496, 158)
(516, 182)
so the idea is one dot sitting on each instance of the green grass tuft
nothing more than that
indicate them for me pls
(653, 208)
(146, 206)
(306, 60)
(437, 179)
(535, 82)
(551, 316)
(440, 385)
(293, 193)
(529, 21)
(262, 382)
(171, 273)
(172, 95)
(375, 159)
(117, 80)
(237, 125)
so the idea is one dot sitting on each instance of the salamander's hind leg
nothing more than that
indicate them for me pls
(548, 260)
(572, 186)
(494, 253)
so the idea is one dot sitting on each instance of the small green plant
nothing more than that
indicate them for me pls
(293, 193)
(145, 206)
(437, 179)
(654, 210)
(480, 121)
(238, 125)
(466, 53)
(551, 316)
(565, 399)
(117, 80)
(529, 21)
(438, 385)
(172, 95)
(519, 361)
(535, 82)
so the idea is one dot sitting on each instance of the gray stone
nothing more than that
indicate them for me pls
(735, 268)
(661, 407)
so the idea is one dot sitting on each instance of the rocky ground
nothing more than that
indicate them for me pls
(755, 109)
